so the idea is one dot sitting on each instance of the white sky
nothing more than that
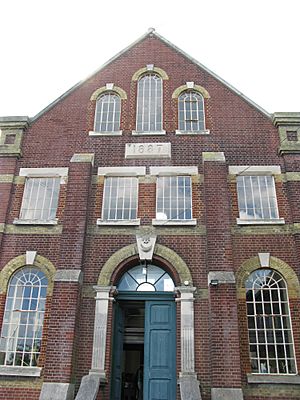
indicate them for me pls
(48, 46)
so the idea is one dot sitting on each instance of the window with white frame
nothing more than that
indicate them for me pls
(257, 198)
(174, 198)
(149, 103)
(21, 334)
(108, 112)
(120, 198)
(191, 112)
(269, 324)
(40, 198)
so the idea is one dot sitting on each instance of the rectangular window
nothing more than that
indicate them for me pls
(120, 198)
(40, 199)
(174, 198)
(257, 198)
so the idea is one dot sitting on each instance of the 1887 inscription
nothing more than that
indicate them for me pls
(148, 150)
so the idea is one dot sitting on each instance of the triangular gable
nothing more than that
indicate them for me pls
(152, 32)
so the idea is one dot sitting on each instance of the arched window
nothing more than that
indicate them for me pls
(191, 112)
(22, 327)
(149, 104)
(269, 324)
(146, 278)
(108, 112)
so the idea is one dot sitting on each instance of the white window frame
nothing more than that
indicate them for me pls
(37, 173)
(169, 172)
(13, 313)
(186, 131)
(140, 108)
(264, 312)
(99, 121)
(119, 172)
(268, 170)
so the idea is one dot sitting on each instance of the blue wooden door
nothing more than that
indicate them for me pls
(116, 385)
(160, 351)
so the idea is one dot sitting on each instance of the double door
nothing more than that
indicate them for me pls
(144, 350)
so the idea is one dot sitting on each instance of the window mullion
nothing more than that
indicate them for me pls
(256, 331)
(149, 102)
(265, 330)
(110, 211)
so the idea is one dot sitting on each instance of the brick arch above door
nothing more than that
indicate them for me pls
(181, 268)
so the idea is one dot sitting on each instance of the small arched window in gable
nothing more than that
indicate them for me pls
(108, 113)
(191, 112)
(149, 104)
(21, 334)
(146, 278)
(269, 324)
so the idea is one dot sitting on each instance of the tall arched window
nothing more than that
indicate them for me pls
(146, 278)
(191, 112)
(22, 327)
(149, 104)
(269, 324)
(108, 112)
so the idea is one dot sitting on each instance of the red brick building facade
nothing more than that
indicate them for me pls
(150, 232)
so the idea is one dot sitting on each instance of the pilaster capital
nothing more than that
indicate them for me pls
(213, 156)
(103, 292)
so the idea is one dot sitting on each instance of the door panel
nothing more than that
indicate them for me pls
(160, 354)
(117, 353)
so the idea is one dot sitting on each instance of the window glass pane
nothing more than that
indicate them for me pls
(107, 114)
(120, 198)
(190, 112)
(269, 323)
(174, 199)
(40, 198)
(146, 278)
(149, 104)
(257, 197)
(22, 322)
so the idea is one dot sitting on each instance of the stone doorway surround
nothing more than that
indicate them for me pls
(189, 385)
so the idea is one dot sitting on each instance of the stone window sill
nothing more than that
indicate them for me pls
(33, 372)
(114, 133)
(35, 222)
(273, 379)
(137, 133)
(170, 222)
(191, 133)
(278, 221)
(118, 222)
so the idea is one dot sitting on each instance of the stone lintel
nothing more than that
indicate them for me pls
(213, 156)
(121, 171)
(226, 394)
(83, 158)
(174, 171)
(68, 275)
(57, 391)
(254, 169)
(217, 277)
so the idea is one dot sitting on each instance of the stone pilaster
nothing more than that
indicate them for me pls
(189, 385)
